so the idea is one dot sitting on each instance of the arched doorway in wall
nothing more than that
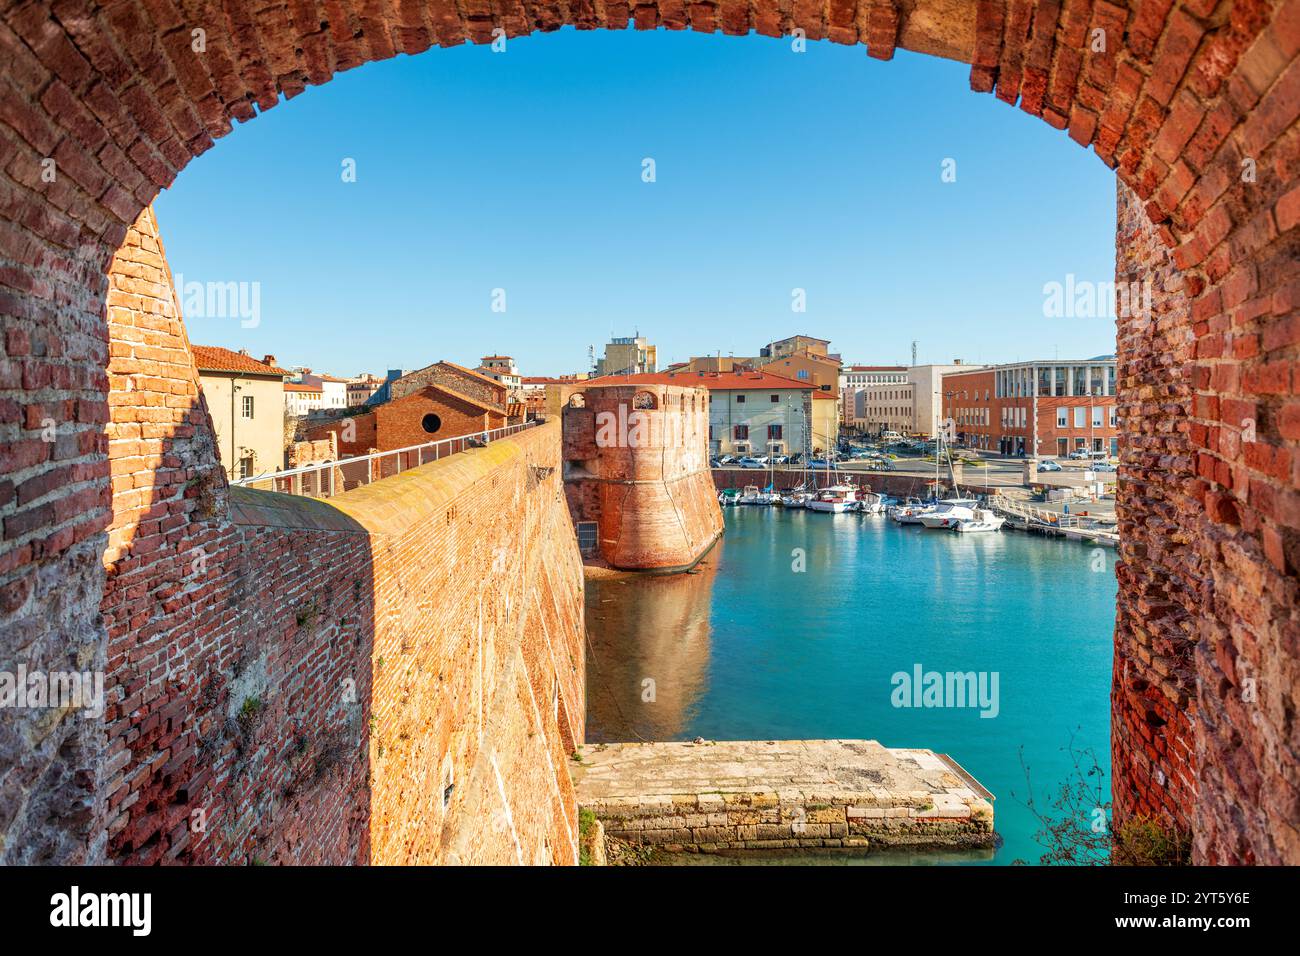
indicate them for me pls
(1195, 107)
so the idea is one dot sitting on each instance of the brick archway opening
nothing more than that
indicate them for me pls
(1193, 102)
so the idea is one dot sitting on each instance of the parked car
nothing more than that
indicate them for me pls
(822, 463)
(726, 459)
(1048, 464)
(779, 459)
(1080, 455)
(1103, 466)
(753, 462)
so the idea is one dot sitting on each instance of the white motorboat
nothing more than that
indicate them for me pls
(910, 511)
(795, 499)
(753, 496)
(982, 520)
(836, 499)
(871, 503)
(948, 512)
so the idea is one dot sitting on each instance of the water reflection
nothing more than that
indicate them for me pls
(648, 653)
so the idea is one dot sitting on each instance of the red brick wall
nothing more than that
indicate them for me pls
(332, 666)
(361, 428)
(282, 685)
(1194, 102)
(398, 423)
(1162, 582)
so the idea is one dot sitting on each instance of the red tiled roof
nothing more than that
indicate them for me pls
(297, 387)
(212, 358)
(722, 381)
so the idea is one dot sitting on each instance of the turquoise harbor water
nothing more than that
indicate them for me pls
(749, 648)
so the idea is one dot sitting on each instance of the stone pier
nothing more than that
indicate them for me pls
(784, 794)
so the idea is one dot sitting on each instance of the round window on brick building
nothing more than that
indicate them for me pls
(431, 423)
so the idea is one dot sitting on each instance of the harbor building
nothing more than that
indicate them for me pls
(246, 402)
(1039, 409)
(900, 398)
(878, 398)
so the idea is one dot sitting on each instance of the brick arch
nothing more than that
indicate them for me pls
(1181, 98)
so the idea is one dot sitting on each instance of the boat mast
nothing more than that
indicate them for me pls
(938, 454)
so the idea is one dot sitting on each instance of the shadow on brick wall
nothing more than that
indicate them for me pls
(240, 624)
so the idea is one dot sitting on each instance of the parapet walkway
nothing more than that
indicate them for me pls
(714, 795)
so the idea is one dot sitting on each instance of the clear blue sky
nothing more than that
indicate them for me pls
(523, 171)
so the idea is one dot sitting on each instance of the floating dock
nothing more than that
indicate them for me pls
(1025, 517)
(783, 794)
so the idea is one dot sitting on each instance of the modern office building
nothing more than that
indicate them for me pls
(1038, 409)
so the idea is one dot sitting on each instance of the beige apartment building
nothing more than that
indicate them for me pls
(302, 399)
(899, 398)
(795, 343)
(361, 387)
(246, 401)
(811, 368)
(630, 355)
(927, 394)
(877, 398)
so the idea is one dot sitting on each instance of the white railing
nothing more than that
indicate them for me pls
(1046, 518)
(1011, 508)
(325, 479)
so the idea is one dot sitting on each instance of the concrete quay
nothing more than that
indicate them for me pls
(784, 794)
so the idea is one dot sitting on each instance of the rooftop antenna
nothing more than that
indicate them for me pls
(913, 351)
